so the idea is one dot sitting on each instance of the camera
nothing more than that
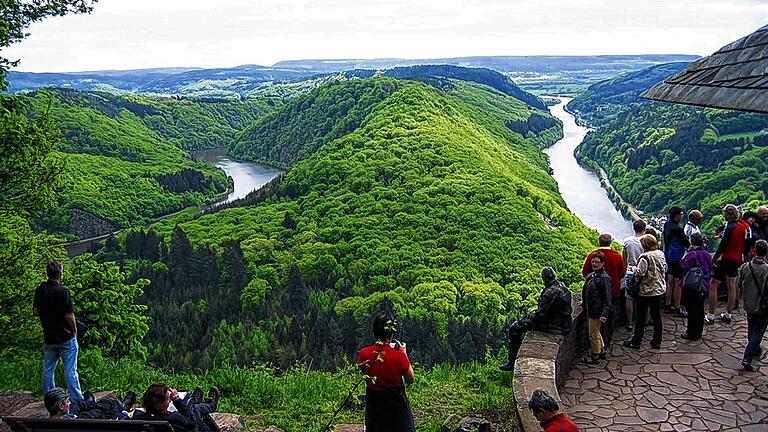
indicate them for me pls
(395, 344)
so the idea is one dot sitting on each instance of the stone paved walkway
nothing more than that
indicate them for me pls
(684, 386)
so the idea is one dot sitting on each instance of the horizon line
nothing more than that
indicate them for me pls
(340, 60)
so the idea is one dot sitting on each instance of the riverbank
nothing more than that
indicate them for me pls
(584, 191)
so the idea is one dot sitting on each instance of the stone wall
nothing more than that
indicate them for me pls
(543, 363)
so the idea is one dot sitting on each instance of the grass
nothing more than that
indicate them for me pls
(299, 399)
(735, 136)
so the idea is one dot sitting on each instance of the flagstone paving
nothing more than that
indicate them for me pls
(684, 386)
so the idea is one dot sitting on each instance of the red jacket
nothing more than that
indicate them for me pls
(559, 423)
(614, 266)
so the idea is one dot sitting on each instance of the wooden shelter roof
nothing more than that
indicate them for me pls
(735, 77)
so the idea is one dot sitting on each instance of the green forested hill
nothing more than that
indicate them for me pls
(123, 155)
(604, 99)
(658, 155)
(310, 120)
(432, 207)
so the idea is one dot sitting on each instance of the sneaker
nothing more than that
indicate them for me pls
(213, 393)
(668, 309)
(709, 319)
(680, 313)
(630, 327)
(726, 317)
(197, 395)
(747, 366)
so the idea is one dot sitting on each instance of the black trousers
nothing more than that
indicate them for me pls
(515, 340)
(642, 305)
(694, 304)
(606, 330)
(198, 413)
(756, 325)
(105, 408)
(388, 411)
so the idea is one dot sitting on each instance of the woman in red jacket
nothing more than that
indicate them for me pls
(727, 259)
(385, 365)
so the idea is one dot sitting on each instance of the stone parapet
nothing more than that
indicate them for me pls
(543, 363)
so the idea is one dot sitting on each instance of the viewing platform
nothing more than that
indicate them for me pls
(684, 386)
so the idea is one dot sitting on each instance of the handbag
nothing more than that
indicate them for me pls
(633, 284)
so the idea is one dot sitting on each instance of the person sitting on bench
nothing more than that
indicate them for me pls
(59, 405)
(190, 412)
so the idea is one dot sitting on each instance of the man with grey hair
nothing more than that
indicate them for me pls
(553, 315)
(546, 410)
(54, 306)
(753, 281)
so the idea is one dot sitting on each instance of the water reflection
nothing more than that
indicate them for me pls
(247, 176)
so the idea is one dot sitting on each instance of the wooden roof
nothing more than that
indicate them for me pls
(735, 77)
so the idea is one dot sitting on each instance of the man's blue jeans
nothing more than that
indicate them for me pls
(68, 353)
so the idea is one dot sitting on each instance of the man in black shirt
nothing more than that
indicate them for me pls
(56, 311)
(553, 315)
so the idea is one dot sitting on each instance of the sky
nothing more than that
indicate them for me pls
(135, 34)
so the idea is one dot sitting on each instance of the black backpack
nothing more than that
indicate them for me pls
(693, 282)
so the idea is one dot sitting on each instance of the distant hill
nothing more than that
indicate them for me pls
(605, 98)
(485, 76)
(247, 80)
(500, 63)
(124, 155)
(227, 82)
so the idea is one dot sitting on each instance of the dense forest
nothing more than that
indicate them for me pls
(602, 100)
(123, 155)
(429, 206)
(657, 154)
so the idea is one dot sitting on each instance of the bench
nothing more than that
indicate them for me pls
(30, 424)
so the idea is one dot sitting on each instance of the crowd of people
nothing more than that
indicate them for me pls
(670, 272)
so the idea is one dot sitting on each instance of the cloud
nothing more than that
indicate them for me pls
(153, 33)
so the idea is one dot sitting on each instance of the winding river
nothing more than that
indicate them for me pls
(580, 188)
(247, 176)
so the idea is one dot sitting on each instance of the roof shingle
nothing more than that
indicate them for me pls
(735, 77)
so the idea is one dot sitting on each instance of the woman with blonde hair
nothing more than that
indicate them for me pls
(651, 271)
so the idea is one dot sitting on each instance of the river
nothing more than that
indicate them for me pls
(247, 176)
(579, 187)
